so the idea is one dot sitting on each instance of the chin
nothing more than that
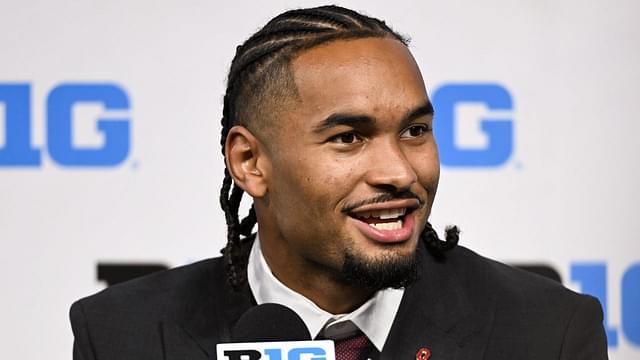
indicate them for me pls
(395, 266)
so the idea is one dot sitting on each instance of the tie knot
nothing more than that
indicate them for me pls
(356, 347)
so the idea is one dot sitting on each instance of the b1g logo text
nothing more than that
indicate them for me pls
(18, 148)
(489, 135)
(277, 350)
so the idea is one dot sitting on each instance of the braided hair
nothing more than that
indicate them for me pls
(259, 76)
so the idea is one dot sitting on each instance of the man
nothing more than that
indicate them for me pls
(328, 127)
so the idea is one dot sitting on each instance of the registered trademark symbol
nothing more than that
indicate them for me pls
(518, 165)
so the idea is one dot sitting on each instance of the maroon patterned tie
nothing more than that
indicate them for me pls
(357, 347)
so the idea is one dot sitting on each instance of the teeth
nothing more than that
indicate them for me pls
(396, 225)
(391, 213)
(383, 214)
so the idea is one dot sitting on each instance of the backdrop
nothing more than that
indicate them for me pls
(110, 159)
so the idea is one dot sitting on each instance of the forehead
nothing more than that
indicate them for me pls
(376, 76)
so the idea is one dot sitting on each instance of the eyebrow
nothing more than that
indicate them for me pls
(354, 120)
(424, 110)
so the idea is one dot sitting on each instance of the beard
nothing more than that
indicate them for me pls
(389, 271)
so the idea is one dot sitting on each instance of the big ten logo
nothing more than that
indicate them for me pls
(473, 124)
(280, 350)
(592, 278)
(63, 104)
(303, 353)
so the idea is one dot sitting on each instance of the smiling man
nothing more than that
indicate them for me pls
(343, 188)
(327, 126)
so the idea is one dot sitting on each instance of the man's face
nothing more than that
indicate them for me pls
(353, 166)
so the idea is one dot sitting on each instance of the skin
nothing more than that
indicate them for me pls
(303, 177)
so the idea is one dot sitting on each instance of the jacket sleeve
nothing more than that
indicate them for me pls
(585, 338)
(82, 348)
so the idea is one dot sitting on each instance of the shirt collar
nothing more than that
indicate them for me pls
(374, 318)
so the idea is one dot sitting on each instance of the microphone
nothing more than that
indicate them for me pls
(270, 322)
(273, 332)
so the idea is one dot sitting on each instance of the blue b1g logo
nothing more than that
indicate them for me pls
(499, 132)
(592, 278)
(18, 149)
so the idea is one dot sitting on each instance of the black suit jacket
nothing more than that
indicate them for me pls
(465, 307)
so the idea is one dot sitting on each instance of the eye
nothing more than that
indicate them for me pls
(346, 138)
(415, 130)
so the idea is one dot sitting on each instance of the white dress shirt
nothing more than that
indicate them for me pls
(374, 318)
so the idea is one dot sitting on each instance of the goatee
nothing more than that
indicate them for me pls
(392, 271)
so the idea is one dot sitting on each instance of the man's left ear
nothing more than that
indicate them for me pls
(246, 161)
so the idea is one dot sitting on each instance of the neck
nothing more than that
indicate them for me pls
(318, 283)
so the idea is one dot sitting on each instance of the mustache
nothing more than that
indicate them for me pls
(380, 198)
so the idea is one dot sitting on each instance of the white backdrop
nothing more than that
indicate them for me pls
(564, 197)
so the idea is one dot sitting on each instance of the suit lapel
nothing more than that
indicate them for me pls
(437, 313)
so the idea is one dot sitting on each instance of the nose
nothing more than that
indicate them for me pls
(390, 168)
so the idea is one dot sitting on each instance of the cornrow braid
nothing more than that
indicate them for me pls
(437, 247)
(255, 76)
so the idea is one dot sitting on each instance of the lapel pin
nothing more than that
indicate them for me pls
(423, 354)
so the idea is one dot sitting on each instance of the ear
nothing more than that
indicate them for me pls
(245, 158)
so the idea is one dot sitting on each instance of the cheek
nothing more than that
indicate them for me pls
(326, 188)
(306, 187)
(427, 167)
(316, 178)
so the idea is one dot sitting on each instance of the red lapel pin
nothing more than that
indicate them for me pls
(423, 354)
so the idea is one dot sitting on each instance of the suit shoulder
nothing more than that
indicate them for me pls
(533, 312)
(160, 294)
(513, 284)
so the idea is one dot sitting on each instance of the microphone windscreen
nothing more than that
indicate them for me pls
(270, 322)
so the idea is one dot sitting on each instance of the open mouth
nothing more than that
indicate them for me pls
(387, 219)
(389, 222)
